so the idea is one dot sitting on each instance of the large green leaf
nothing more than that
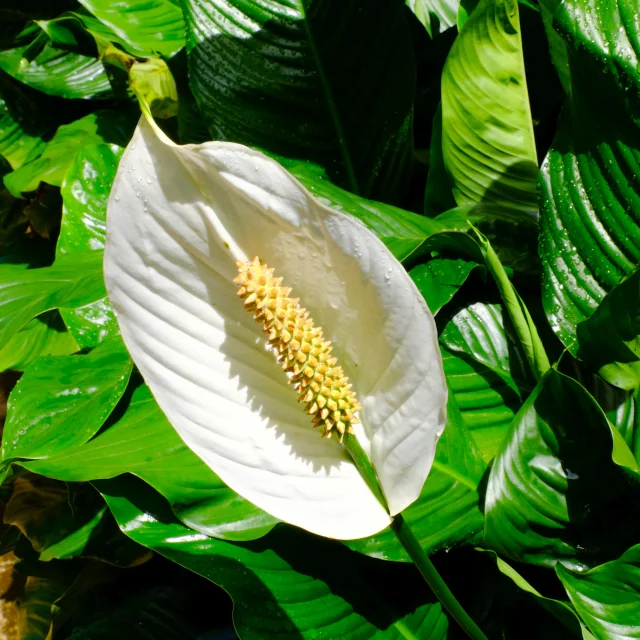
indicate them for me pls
(609, 340)
(477, 330)
(51, 167)
(440, 278)
(58, 73)
(448, 510)
(290, 583)
(45, 335)
(26, 293)
(589, 188)
(554, 489)
(312, 80)
(146, 25)
(15, 145)
(142, 442)
(488, 401)
(61, 401)
(85, 191)
(487, 136)
(608, 597)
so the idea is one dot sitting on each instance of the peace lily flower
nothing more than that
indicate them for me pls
(199, 234)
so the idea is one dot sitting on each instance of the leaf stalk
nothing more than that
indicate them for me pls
(411, 545)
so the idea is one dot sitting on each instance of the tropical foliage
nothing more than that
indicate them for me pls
(492, 146)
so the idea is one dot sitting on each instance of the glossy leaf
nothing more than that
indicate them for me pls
(488, 401)
(85, 190)
(52, 165)
(45, 335)
(309, 84)
(58, 73)
(590, 238)
(142, 442)
(156, 26)
(554, 489)
(15, 144)
(439, 279)
(288, 582)
(608, 597)
(477, 330)
(609, 340)
(26, 293)
(487, 136)
(61, 401)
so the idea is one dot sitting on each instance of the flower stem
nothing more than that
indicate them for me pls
(428, 571)
(411, 545)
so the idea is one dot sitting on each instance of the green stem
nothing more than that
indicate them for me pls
(433, 579)
(410, 543)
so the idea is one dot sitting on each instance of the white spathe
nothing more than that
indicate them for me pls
(178, 219)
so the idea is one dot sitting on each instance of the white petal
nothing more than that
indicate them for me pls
(178, 218)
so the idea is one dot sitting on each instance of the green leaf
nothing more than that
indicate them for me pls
(487, 137)
(26, 293)
(141, 441)
(554, 489)
(609, 340)
(589, 190)
(477, 330)
(436, 15)
(439, 279)
(608, 597)
(488, 401)
(85, 191)
(303, 80)
(290, 582)
(62, 401)
(58, 73)
(448, 509)
(15, 145)
(52, 165)
(147, 26)
(402, 231)
(45, 335)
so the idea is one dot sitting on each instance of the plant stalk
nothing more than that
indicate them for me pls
(431, 576)
(411, 545)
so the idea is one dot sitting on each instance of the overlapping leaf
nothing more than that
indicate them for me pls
(313, 80)
(58, 73)
(487, 136)
(85, 190)
(61, 401)
(142, 442)
(590, 193)
(289, 582)
(554, 488)
(608, 597)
